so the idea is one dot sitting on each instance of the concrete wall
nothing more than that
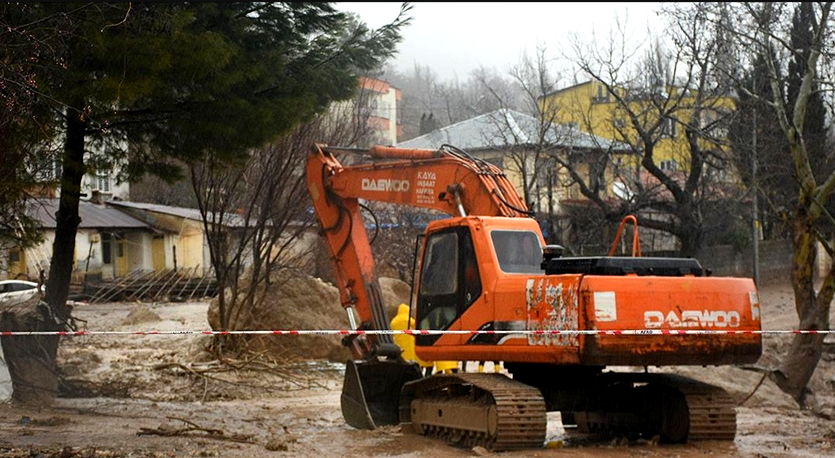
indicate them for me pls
(774, 261)
(139, 251)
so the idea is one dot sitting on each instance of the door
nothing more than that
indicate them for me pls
(121, 256)
(158, 252)
(449, 283)
(17, 262)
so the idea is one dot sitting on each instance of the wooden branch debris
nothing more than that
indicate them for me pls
(258, 363)
(194, 430)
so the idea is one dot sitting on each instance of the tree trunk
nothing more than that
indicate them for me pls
(34, 357)
(32, 371)
(798, 365)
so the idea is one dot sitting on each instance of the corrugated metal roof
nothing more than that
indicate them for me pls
(188, 213)
(230, 219)
(92, 216)
(503, 128)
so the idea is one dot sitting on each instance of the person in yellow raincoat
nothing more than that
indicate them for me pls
(406, 342)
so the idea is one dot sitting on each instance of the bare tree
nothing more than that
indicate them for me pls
(561, 156)
(420, 97)
(764, 30)
(529, 144)
(255, 212)
(546, 156)
(670, 97)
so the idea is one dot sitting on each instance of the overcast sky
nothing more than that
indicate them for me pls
(454, 38)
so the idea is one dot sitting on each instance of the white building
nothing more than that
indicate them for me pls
(372, 113)
(382, 104)
(108, 241)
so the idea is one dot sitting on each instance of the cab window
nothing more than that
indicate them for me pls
(449, 283)
(439, 272)
(517, 251)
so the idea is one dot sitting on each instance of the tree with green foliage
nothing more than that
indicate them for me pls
(141, 83)
(23, 121)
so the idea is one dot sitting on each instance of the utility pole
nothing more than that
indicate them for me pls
(755, 220)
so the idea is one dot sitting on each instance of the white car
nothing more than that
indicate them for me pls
(17, 290)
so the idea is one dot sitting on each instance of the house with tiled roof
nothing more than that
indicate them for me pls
(525, 149)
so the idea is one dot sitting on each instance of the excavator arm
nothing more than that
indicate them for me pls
(447, 180)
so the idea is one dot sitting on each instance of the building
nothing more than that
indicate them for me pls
(591, 108)
(382, 101)
(119, 238)
(664, 115)
(372, 113)
(532, 156)
(108, 242)
(100, 182)
(518, 144)
(180, 241)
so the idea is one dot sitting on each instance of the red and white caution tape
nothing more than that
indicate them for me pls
(343, 332)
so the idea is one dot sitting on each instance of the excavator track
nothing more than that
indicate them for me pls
(475, 409)
(675, 408)
(712, 411)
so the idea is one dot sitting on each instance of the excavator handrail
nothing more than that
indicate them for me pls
(636, 241)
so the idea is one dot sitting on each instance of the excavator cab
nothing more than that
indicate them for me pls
(461, 258)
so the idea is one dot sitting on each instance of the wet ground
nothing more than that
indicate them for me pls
(307, 423)
(158, 396)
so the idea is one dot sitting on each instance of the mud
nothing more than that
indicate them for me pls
(165, 396)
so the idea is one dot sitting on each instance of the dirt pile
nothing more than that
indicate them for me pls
(300, 302)
(141, 314)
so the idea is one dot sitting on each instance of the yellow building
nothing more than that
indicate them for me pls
(661, 113)
(652, 122)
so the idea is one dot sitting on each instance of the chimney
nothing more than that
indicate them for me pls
(427, 124)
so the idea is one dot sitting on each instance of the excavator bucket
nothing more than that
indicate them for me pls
(371, 391)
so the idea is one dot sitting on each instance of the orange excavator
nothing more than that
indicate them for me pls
(575, 335)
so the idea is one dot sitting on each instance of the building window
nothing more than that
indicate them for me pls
(48, 169)
(670, 165)
(602, 95)
(668, 127)
(617, 163)
(102, 183)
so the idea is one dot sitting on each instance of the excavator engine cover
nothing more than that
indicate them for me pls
(371, 391)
